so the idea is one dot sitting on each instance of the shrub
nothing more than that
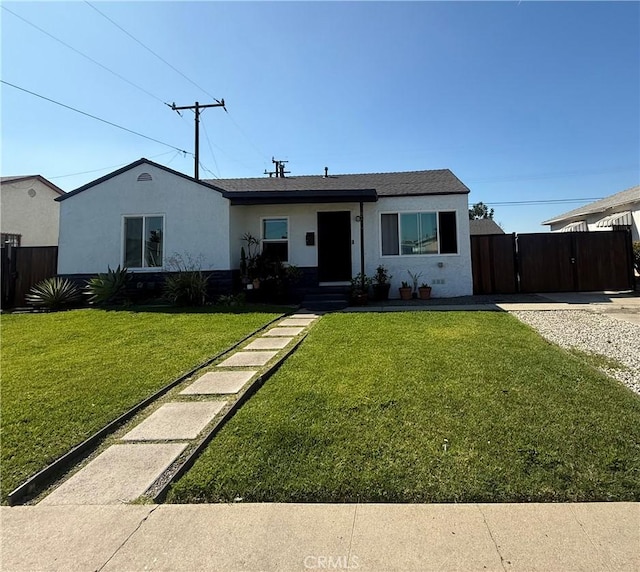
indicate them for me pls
(186, 288)
(636, 254)
(54, 293)
(108, 288)
(232, 300)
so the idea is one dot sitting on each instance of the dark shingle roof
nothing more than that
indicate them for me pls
(435, 182)
(481, 226)
(627, 196)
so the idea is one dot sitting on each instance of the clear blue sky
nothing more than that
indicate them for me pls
(523, 101)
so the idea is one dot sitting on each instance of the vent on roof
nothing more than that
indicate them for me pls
(144, 177)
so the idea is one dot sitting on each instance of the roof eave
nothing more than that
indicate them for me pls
(133, 165)
(238, 198)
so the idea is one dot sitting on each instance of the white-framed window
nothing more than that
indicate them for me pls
(275, 238)
(143, 241)
(418, 233)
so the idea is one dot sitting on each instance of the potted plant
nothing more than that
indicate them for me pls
(415, 276)
(405, 291)
(424, 291)
(381, 283)
(360, 289)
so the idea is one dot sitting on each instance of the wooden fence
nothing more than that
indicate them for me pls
(552, 262)
(22, 268)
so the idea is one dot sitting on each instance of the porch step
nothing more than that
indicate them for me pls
(326, 298)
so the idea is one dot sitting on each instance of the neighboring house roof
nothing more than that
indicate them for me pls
(130, 166)
(481, 226)
(622, 198)
(414, 183)
(16, 179)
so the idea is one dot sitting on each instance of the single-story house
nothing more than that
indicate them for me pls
(619, 211)
(484, 226)
(330, 226)
(29, 214)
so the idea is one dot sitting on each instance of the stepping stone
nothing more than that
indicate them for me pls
(242, 359)
(219, 382)
(298, 322)
(121, 474)
(283, 332)
(268, 344)
(175, 421)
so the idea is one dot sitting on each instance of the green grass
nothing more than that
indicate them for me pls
(65, 375)
(363, 411)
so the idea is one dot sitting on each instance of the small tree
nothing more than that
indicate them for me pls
(480, 210)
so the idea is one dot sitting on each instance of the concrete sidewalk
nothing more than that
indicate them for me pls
(368, 537)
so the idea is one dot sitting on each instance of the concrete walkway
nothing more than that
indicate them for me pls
(158, 440)
(620, 305)
(368, 537)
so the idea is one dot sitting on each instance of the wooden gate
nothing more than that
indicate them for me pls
(575, 261)
(22, 268)
(552, 262)
(493, 261)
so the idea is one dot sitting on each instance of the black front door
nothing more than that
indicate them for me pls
(334, 246)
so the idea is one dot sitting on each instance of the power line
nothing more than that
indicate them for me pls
(148, 48)
(211, 150)
(233, 121)
(557, 175)
(96, 118)
(110, 167)
(85, 56)
(541, 202)
(243, 133)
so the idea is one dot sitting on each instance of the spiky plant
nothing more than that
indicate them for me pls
(53, 293)
(108, 288)
(186, 288)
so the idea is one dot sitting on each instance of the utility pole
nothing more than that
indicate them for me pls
(197, 107)
(279, 172)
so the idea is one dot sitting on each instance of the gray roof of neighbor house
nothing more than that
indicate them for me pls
(625, 197)
(435, 182)
(17, 178)
(481, 226)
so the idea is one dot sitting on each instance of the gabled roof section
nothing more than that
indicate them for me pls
(625, 197)
(411, 183)
(47, 182)
(133, 165)
(483, 226)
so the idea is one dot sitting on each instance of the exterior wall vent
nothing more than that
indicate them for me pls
(144, 177)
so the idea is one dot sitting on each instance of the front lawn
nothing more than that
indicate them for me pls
(65, 375)
(426, 407)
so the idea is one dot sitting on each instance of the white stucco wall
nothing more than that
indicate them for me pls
(28, 208)
(454, 277)
(302, 219)
(196, 221)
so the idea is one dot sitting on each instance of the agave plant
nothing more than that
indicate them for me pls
(108, 288)
(53, 293)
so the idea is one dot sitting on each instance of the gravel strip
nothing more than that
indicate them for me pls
(592, 333)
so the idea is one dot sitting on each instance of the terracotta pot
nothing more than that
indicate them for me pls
(425, 293)
(405, 293)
